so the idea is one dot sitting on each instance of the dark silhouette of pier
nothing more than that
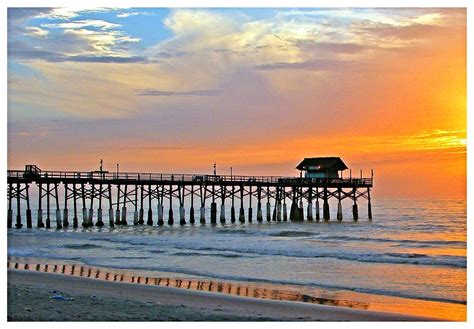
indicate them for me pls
(85, 194)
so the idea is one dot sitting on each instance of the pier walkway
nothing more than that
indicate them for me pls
(91, 191)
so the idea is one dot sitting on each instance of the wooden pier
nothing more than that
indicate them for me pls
(85, 196)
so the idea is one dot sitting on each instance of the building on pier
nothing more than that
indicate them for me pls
(328, 167)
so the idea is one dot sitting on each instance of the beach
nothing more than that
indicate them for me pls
(95, 300)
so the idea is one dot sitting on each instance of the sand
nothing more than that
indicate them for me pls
(97, 300)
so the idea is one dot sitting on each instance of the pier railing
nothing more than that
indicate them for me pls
(185, 178)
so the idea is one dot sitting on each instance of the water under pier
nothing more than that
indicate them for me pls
(70, 198)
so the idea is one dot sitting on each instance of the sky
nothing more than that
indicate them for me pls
(258, 90)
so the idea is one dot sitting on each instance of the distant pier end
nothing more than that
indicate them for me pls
(70, 194)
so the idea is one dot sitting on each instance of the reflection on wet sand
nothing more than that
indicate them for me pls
(191, 284)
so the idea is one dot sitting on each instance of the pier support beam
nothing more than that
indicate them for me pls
(309, 213)
(135, 213)
(268, 207)
(40, 211)
(99, 222)
(10, 211)
(160, 208)
(149, 219)
(59, 224)
(48, 212)
(250, 205)
(141, 212)
(222, 214)
(241, 211)
(182, 218)
(18, 210)
(124, 208)
(294, 211)
(259, 204)
(317, 205)
(111, 209)
(369, 204)
(300, 205)
(191, 210)
(202, 215)
(117, 211)
(29, 223)
(326, 214)
(65, 211)
(355, 208)
(339, 205)
(170, 212)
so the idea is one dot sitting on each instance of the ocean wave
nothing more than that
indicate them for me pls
(82, 246)
(400, 241)
(186, 254)
(292, 234)
(390, 258)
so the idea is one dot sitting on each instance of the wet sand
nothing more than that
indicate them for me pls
(99, 300)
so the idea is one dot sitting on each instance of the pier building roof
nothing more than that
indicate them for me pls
(322, 164)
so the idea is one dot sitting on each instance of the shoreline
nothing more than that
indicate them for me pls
(99, 300)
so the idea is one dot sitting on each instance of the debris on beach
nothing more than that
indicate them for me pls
(61, 297)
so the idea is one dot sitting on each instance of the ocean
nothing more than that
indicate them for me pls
(413, 250)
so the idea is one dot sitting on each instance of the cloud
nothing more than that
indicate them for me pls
(66, 13)
(22, 51)
(152, 92)
(134, 13)
(36, 32)
(314, 65)
(101, 24)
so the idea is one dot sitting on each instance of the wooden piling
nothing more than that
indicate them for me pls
(250, 205)
(39, 222)
(99, 222)
(222, 214)
(90, 217)
(355, 210)
(181, 194)
(48, 219)
(326, 214)
(232, 208)
(65, 211)
(202, 210)
(111, 208)
(29, 223)
(85, 222)
(339, 205)
(124, 207)
(309, 214)
(170, 212)
(10, 211)
(369, 204)
(18, 210)
(59, 224)
(268, 213)
(259, 204)
(141, 214)
(317, 205)
(241, 210)
(117, 211)
(213, 207)
(191, 210)
(135, 213)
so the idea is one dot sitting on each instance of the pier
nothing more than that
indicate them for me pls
(71, 198)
